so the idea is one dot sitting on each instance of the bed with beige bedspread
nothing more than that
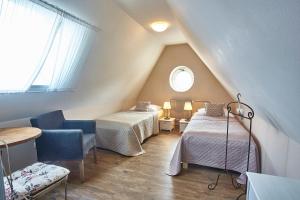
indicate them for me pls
(124, 132)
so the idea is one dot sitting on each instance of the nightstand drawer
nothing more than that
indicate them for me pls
(164, 123)
(167, 124)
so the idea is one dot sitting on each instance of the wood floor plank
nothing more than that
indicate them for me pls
(117, 177)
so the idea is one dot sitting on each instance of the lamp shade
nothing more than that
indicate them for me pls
(167, 105)
(188, 105)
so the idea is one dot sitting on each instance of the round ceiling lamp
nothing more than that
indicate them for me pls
(159, 26)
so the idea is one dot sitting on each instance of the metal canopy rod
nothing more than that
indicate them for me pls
(47, 5)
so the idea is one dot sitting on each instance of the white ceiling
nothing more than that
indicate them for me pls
(147, 11)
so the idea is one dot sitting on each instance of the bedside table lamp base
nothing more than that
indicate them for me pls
(167, 107)
(167, 116)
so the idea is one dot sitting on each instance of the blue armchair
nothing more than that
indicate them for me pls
(63, 140)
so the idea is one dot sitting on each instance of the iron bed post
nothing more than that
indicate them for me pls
(212, 186)
(248, 160)
(250, 116)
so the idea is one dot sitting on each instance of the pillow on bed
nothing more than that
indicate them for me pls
(214, 110)
(201, 111)
(143, 106)
(153, 108)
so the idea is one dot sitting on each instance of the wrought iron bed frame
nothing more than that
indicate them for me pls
(249, 116)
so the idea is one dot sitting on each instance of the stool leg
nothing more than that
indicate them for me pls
(185, 165)
(95, 156)
(81, 168)
(66, 188)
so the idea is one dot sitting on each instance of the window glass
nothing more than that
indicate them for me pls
(181, 79)
(39, 46)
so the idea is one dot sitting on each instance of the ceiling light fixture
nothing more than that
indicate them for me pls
(159, 26)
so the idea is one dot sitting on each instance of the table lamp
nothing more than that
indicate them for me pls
(167, 107)
(188, 107)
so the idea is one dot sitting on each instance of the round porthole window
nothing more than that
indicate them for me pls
(181, 79)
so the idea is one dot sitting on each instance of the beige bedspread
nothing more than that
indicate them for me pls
(203, 143)
(124, 132)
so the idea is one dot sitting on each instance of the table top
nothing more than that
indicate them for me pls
(274, 187)
(167, 120)
(185, 121)
(14, 136)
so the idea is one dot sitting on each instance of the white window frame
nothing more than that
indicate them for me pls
(173, 75)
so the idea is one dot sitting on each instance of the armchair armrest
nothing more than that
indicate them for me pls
(87, 126)
(60, 144)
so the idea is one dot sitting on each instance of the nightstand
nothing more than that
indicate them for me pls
(166, 124)
(182, 125)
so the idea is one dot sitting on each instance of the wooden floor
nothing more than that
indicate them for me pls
(117, 177)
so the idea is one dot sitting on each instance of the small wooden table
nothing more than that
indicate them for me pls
(14, 136)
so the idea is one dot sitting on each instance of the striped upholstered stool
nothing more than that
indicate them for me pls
(35, 180)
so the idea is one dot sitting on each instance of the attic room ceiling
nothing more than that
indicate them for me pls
(147, 11)
(252, 47)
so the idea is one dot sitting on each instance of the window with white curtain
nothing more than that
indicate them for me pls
(39, 47)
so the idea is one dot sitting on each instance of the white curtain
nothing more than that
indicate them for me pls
(70, 46)
(38, 46)
(70, 40)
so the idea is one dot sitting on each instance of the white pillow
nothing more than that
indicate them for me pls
(143, 106)
(132, 108)
(154, 108)
(201, 111)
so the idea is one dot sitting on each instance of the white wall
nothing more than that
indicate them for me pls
(253, 47)
(119, 63)
(279, 153)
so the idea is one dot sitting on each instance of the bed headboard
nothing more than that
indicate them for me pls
(177, 107)
(197, 104)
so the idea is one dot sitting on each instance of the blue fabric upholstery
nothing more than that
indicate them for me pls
(87, 126)
(88, 142)
(63, 139)
(51, 120)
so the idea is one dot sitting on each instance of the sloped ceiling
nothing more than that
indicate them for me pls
(122, 56)
(252, 47)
